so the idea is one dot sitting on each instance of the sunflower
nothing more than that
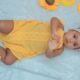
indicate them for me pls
(68, 3)
(78, 8)
(50, 4)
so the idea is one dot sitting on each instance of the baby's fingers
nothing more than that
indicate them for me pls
(56, 37)
(52, 44)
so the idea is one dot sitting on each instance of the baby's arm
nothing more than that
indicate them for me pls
(53, 53)
(56, 23)
(7, 56)
(6, 26)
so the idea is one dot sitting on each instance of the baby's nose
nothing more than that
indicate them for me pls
(70, 40)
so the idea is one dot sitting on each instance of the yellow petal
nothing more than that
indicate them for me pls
(68, 3)
(78, 8)
(45, 5)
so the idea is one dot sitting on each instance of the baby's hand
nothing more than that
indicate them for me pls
(56, 36)
(52, 44)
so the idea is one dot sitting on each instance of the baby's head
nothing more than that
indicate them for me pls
(72, 39)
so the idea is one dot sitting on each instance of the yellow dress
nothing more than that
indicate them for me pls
(28, 38)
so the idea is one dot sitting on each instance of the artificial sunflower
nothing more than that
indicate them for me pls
(50, 4)
(68, 3)
(78, 8)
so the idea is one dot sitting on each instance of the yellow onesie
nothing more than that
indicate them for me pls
(29, 38)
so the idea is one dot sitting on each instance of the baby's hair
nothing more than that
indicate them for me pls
(77, 29)
(77, 48)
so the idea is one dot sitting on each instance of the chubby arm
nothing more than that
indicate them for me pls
(6, 26)
(7, 56)
(53, 53)
(56, 23)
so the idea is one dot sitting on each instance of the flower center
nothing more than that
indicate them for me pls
(50, 2)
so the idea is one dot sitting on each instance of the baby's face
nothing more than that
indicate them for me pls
(72, 39)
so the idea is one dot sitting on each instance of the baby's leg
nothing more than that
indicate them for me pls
(7, 56)
(6, 26)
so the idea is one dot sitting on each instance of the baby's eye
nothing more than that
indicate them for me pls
(74, 36)
(75, 44)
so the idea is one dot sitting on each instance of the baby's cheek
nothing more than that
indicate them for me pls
(69, 45)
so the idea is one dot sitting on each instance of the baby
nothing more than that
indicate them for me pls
(26, 39)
